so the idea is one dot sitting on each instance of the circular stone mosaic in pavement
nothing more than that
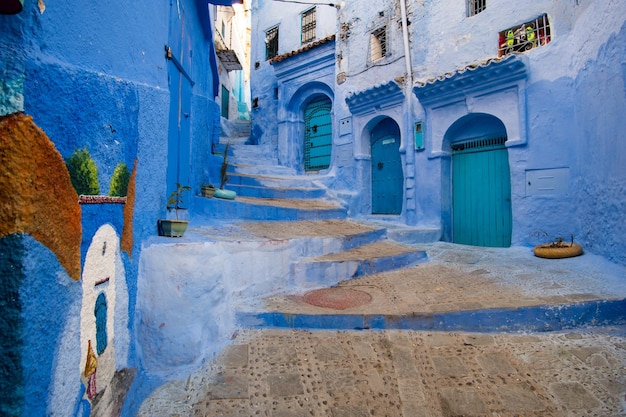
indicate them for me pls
(337, 298)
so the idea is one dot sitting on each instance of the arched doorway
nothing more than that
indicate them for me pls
(387, 175)
(481, 182)
(318, 134)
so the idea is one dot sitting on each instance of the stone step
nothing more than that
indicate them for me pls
(369, 259)
(259, 191)
(402, 233)
(250, 208)
(274, 180)
(234, 128)
(260, 168)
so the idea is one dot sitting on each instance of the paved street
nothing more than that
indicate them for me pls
(352, 373)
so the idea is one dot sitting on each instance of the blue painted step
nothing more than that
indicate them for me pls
(260, 191)
(543, 318)
(359, 261)
(247, 208)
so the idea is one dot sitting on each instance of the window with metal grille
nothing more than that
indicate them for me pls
(475, 6)
(271, 42)
(524, 37)
(378, 44)
(308, 26)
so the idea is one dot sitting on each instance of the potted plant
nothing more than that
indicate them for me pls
(558, 249)
(174, 227)
(221, 192)
(208, 190)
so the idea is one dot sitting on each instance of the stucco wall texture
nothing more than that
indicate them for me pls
(89, 75)
(566, 112)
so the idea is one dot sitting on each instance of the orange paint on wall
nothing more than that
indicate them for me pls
(36, 194)
(129, 211)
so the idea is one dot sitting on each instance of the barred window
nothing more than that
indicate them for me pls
(308, 26)
(524, 37)
(475, 6)
(271, 42)
(378, 44)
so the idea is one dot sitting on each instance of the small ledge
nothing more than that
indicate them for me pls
(480, 77)
(378, 96)
(100, 199)
(307, 47)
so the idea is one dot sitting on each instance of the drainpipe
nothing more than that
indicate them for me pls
(409, 177)
(407, 49)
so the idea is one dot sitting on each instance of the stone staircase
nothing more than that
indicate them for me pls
(277, 204)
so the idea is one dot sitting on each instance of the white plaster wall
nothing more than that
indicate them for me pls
(98, 266)
(187, 297)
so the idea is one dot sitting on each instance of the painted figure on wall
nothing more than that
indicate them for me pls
(104, 314)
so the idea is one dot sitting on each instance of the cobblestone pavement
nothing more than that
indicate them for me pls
(288, 373)
(297, 373)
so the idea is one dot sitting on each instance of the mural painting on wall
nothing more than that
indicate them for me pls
(36, 180)
(40, 197)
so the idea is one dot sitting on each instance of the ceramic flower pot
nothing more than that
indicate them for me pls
(208, 191)
(172, 228)
(226, 194)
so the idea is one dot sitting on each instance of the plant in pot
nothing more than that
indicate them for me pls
(558, 248)
(174, 227)
(221, 192)
(208, 190)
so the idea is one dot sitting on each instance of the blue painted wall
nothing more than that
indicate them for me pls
(566, 112)
(263, 84)
(95, 75)
(41, 313)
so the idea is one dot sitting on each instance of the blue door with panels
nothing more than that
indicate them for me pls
(481, 206)
(179, 55)
(318, 134)
(387, 174)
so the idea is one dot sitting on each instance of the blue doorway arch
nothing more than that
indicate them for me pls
(318, 134)
(481, 183)
(387, 174)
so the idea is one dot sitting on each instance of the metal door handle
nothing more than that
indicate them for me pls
(380, 165)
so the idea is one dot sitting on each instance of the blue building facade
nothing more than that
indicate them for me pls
(496, 125)
(133, 85)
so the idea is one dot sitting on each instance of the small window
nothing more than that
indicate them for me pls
(271, 43)
(524, 37)
(378, 44)
(308, 26)
(475, 6)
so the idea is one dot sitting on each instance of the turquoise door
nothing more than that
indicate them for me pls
(481, 206)
(225, 101)
(387, 176)
(318, 135)
(179, 145)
